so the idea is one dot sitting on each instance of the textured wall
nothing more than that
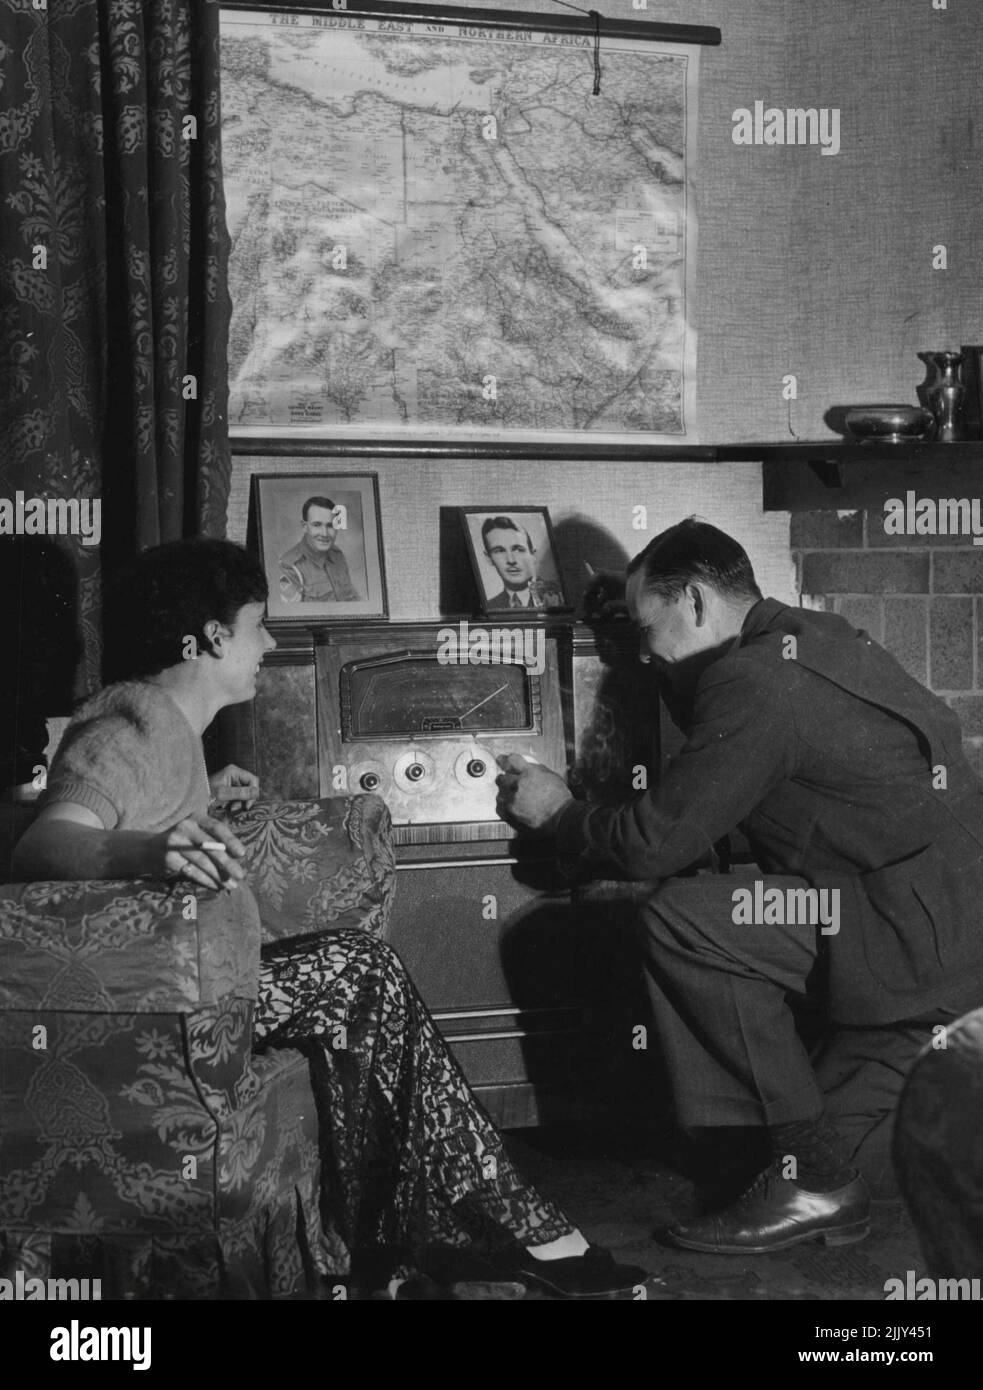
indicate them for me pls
(865, 298)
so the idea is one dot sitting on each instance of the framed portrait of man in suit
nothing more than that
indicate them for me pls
(320, 541)
(513, 556)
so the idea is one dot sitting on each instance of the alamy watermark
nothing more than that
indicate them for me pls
(468, 645)
(793, 125)
(52, 516)
(25, 1288)
(951, 1290)
(926, 516)
(761, 906)
(81, 1343)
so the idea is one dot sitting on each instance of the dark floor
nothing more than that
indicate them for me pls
(624, 1191)
(621, 1195)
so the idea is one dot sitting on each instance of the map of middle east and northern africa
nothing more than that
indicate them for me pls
(439, 229)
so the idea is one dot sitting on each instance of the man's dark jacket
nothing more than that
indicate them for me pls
(842, 769)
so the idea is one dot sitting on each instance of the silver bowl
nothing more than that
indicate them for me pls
(888, 424)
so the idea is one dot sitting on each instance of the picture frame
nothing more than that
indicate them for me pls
(319, 538)
(514, 561)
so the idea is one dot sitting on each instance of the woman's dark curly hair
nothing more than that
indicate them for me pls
(168, 594)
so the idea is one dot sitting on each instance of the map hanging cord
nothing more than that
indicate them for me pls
(595, 15)
(597, 52)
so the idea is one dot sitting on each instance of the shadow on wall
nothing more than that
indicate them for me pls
(581, 542)
(574, 967)
(40, 587)
(458, 593)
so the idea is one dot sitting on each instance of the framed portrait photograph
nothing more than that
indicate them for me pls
(319, 537)
(513, 556)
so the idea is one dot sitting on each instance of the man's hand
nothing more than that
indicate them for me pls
(234, 787)
(529, 794)
(200, 849)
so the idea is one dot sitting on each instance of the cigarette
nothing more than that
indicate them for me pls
(214, 845)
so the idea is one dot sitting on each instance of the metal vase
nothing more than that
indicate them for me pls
(946, 394)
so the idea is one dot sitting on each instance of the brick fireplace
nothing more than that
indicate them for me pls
(920, 596)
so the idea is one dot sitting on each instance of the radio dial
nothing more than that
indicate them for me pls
(476, 768)
(369, 776)
(415, 772)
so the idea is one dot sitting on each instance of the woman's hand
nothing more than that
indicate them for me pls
(234, 787)
(202, 850)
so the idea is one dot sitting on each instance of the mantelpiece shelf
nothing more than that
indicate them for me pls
(832, 475)
(474, 449)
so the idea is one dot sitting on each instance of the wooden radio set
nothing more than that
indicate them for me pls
(410, 714)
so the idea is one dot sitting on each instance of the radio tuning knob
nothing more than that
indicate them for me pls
(476, 768)
(415, 771)
(369, 781)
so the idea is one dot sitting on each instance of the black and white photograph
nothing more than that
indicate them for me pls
(513, 558)
(491, 717)
(322, 553)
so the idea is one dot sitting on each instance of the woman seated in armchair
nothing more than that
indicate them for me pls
(417, 1166)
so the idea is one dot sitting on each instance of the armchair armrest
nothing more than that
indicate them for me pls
(119, 946)
(320, 864)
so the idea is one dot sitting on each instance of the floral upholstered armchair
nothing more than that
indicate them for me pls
(141, 1141)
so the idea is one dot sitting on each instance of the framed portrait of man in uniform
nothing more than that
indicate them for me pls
(513, 556)
(320, 540)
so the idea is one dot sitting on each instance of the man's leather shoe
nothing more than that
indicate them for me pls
(776, 1212)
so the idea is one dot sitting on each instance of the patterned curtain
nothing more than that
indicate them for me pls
(114, 307)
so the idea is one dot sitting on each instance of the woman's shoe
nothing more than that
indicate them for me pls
(595, 1274)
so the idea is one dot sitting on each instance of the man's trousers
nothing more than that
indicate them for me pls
(722, 996)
